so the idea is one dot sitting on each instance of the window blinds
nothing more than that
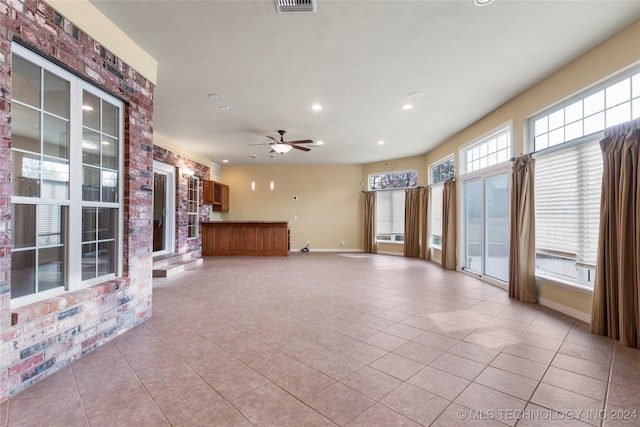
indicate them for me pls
(567, 202)
(436, 212)
(390, 212)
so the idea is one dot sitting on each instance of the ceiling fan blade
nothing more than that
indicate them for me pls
(259, 143)
(272, 138)
(302, 141)
(301, 148)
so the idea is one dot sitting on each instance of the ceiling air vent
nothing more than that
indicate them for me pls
(286, 6)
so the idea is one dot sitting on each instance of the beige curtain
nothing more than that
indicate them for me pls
(449, 225)
(522, 282)
(370, 222)
(425, 194)
(615, 310)
(412, 222)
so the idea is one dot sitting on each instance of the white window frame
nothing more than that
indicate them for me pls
(505, 128)
(195, 227)
(436, 190)
(369, 182)
(577, 116)
(73, 245)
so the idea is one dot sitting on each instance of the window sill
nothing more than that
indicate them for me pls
(564, 283)
(389, 242)
(29, 312)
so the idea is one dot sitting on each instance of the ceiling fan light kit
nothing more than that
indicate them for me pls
(281, 146)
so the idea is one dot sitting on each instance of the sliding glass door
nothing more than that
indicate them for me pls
(486, 226)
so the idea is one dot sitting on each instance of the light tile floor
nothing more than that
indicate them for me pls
(349, 339)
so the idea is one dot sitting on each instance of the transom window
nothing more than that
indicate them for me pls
(66, 180)
(489, 151)
(610, 104)
(390, 200)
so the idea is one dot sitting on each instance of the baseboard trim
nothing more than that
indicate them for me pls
(327, 250)
(576, 314)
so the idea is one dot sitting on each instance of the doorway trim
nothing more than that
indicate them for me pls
(169, 172)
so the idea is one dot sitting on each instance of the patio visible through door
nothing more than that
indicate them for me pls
(164, 181)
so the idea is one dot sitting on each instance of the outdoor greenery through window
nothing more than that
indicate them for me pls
(610, 104)
(65, 162)
(439, 173)
(390, 201)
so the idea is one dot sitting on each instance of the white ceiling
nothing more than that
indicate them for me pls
(359, 59)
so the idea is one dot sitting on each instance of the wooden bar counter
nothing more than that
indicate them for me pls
(245, 238)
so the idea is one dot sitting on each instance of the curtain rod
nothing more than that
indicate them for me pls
(418, 187)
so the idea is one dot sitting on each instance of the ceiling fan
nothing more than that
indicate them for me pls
(281, 146)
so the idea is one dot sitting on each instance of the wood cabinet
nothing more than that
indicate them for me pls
(216, 194)
(245, 238)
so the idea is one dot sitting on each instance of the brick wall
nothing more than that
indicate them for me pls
(38, 339)
(181, 163)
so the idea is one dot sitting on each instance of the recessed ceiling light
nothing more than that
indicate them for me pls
(216, 97)
(407, 107)
(225, 107)
(316, 107)
(225, 161)
(415, 95)
(319, 142)
(380, 142)
(482, 2)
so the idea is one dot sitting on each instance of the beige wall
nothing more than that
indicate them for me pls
(328, 209)
(620, 52)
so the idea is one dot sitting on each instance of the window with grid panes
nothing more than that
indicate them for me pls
(390, 199)
(66, 168)
(192, 207)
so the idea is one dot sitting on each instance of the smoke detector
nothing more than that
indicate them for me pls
(288, 6)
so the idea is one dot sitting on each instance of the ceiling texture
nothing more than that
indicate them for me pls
(358, 59)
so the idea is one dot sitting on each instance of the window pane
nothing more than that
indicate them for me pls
(556, 119)
(594, 123)
(56, 137)
(51, 225)
(594, 103)
(541, 126)
(619, 114)
(109, 186)
(573, 112)
(23, 224)
(619, 92)
(573, 130)
(635, 86)
(56, 95)
(109, 119)
(556, 137)
(473, 226)
(109, 152)
(25, 128)
(89, 256)
(106, 258)
(90, 111)
(50, 268)
(107, 220)
(89, 224)
(90, 147)
(496, 232)
(26, 178)
(635, 113)
(55, 179)
(90, 184)
(26, 82)
(23, 273)
(541, 142)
